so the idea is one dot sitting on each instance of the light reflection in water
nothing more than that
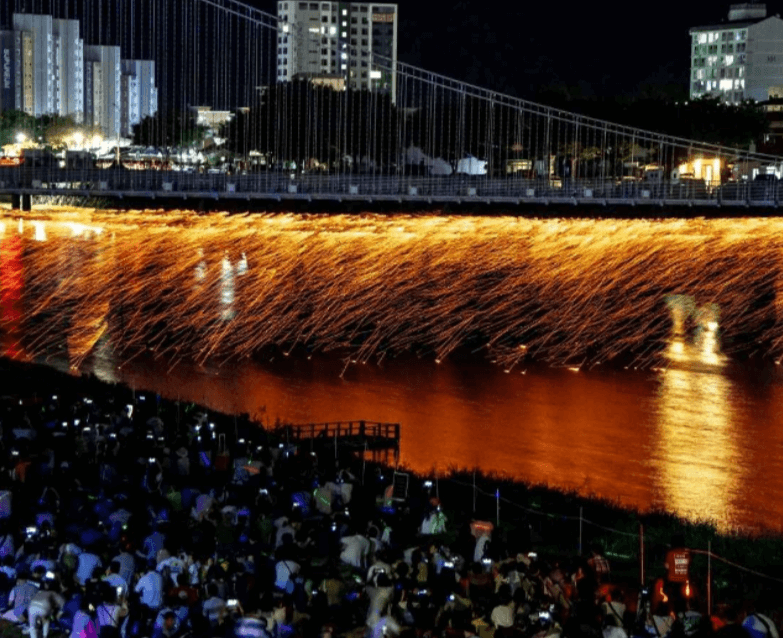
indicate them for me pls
(579, 292)
(697, 454)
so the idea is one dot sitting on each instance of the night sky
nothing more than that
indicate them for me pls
(600, 49)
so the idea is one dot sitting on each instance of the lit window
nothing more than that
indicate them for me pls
(729, 59)
(345, 12)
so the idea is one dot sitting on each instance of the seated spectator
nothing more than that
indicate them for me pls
(150, 589)
(598, 563)
(286, 570)
(87, 564)
(44, 606)
(214, 607)
(116, 581)
(21, 595)
(503, 613)
(355, 550)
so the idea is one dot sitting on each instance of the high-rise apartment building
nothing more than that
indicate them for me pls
(354, 41)
(102, 88)
(34, 62)
(139, 93)
(739, 59)
(48, 70)
(68, 69)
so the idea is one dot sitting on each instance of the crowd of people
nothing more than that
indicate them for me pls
(123, 516)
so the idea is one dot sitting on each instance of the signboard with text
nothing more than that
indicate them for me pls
(7, 93)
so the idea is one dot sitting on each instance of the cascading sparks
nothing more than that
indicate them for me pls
(221, 287)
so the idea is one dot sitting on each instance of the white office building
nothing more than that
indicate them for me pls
(355, 41)
(139, 94)
(102, 88)
(739, 59)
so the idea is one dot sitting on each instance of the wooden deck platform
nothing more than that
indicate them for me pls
(369, 436)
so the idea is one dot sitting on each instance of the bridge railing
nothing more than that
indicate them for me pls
(367, 186)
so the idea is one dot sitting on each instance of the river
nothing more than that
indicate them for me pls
(397, 319)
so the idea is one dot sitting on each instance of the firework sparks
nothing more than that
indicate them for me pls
(219, 287)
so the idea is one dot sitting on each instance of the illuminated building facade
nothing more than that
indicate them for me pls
(103, 88)
(68, 69)
(739, 59)
(357, 41)
(139, 94)
(34, 64)
(48, 70)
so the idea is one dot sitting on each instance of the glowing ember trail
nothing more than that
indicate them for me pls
(562, 292)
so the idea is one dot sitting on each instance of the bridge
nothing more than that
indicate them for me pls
(422, 139)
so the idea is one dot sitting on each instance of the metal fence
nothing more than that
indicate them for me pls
(721, 571)
(277, 185)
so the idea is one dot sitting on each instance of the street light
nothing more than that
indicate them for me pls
(78, 139)
(21, 138)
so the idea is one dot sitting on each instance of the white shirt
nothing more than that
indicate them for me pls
(355, 550)
(502, 616)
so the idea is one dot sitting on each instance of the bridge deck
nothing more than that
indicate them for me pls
(265, 188)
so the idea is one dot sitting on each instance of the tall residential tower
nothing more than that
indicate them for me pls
(353, 41)
(739, 59)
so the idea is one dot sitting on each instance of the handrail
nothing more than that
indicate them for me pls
(361, 428)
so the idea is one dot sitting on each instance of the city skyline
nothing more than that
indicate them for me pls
(594, 51)
(48, 69)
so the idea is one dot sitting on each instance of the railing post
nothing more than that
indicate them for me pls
(709, 578)
(641, 553)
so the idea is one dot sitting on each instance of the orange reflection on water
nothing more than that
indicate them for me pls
(697, 453)
(11, 288)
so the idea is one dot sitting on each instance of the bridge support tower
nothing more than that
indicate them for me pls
(22, 202)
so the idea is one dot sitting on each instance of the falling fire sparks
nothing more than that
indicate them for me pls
(219, 287)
